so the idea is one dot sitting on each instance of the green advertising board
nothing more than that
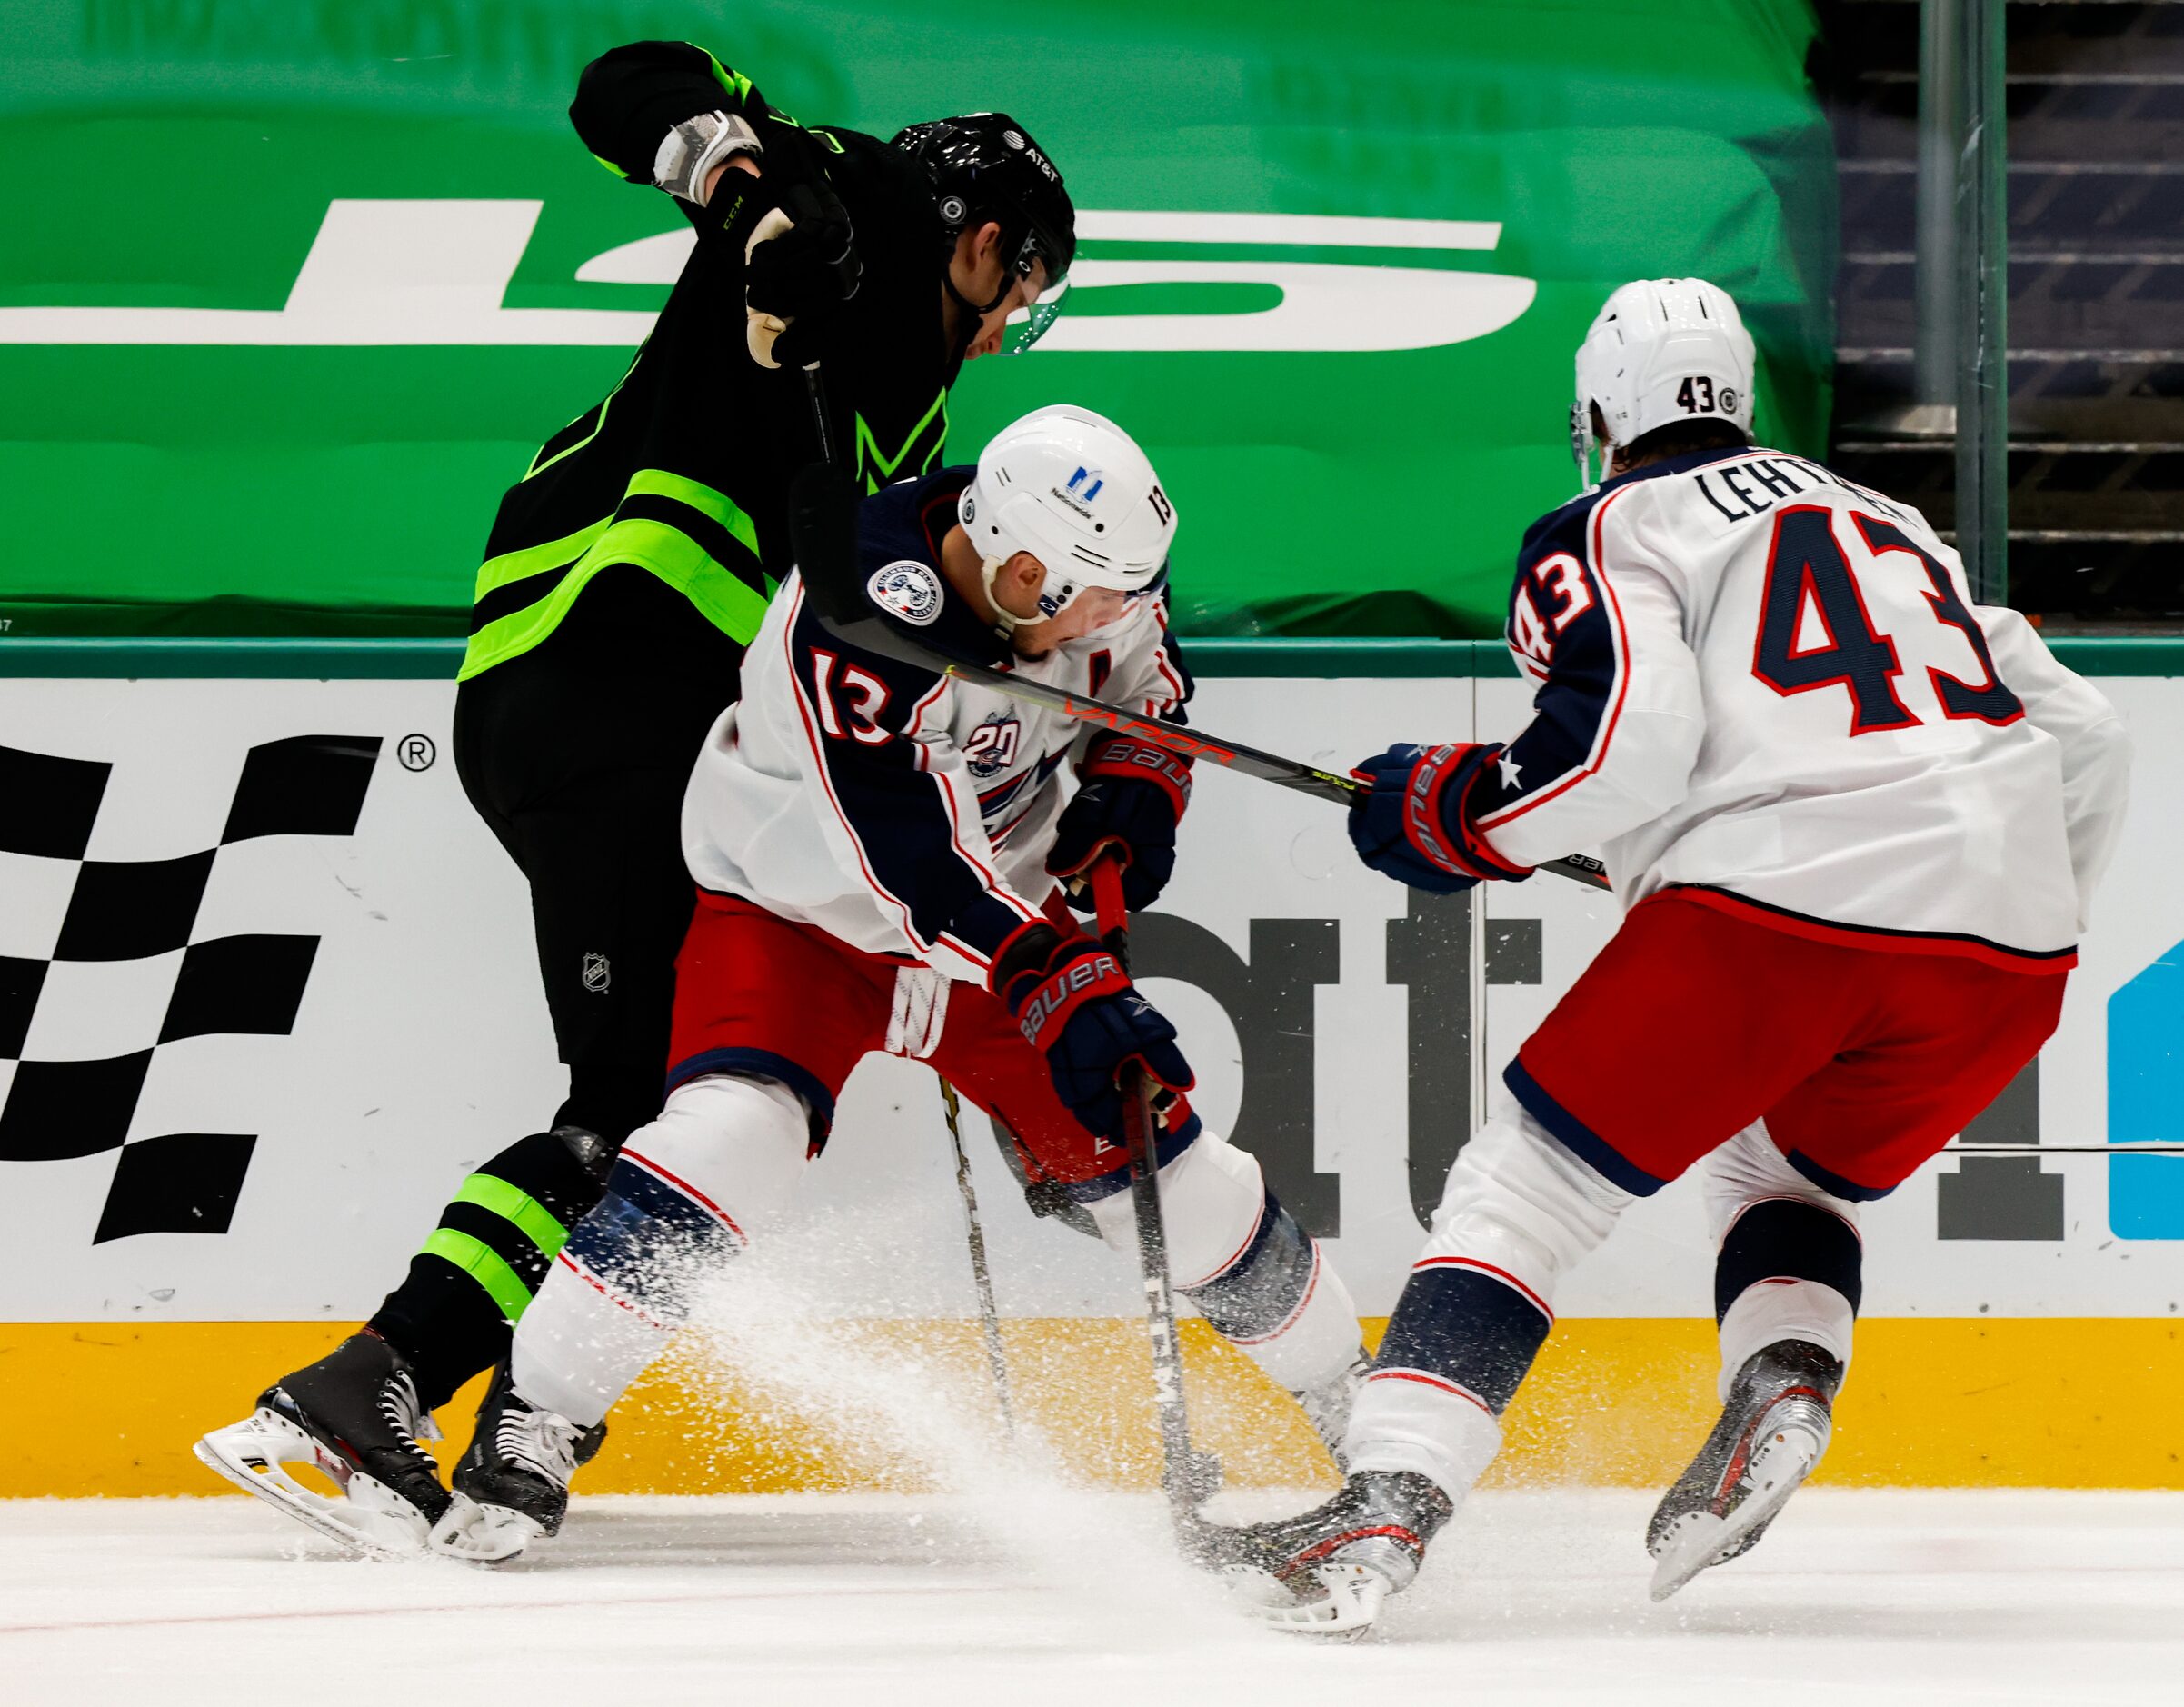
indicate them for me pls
(291, 289)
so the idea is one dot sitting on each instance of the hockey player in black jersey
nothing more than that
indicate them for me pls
(624, 576)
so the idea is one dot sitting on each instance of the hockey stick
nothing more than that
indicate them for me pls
(981, 1276)
(1188, 1477)
(825, 536)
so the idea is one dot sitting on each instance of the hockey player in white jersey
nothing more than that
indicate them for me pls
(1855, 824)
(876, 849)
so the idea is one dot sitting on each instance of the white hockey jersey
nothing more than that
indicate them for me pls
(1761, 680)
(906, 812)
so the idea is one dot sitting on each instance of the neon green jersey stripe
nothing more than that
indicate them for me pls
(871, 458)
(659, 484)
(730, 603)
(532, 1218)
(513, 565)
(483, 1264)
(734, 82)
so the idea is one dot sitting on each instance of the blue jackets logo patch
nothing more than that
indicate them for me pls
(907, 589)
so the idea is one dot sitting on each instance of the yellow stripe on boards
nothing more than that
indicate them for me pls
(1951, 1402)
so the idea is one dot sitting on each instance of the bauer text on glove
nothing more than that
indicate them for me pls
(1076, 1005)
(1133, 796)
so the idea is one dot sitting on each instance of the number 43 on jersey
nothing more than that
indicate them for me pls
(1817, 627)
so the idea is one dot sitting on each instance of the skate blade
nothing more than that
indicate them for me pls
(483, 1534)
(1347, 1602)
(1778, 1471)
(369, 1519)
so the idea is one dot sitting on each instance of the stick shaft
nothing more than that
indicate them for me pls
(1170, 1413)
(982, 1274)
(1267, 767)
(830, 575)
(819, 420)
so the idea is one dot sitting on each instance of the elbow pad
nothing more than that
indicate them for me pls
(689, 151)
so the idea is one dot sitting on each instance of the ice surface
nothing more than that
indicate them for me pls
(812, 1600)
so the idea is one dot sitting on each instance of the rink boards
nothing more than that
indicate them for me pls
(267, 992)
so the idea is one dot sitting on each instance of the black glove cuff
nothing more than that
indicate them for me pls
(1027, 949)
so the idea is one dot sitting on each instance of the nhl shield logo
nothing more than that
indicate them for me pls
(906, 589)
(598, 973)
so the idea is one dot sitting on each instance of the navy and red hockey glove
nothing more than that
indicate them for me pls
(1134, 794)
(1411, 825)
(1074, 1003)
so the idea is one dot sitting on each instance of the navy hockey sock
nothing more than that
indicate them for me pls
(1251, 1298)
(1465, 1326)
(1780, 1239)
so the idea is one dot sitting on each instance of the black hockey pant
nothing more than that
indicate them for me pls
(577, 755)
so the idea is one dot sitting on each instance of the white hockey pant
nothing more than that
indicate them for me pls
(724, 1158)
(1518, 1213)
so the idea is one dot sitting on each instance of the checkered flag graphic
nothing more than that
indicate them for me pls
(135, 911)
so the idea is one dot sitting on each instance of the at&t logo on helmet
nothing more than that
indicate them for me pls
(908, 589)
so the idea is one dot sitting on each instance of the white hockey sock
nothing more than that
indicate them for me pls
(577, 1348)
(723, 1157)
(1517, 1211)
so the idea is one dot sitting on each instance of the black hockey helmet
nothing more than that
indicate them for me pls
(985, 166)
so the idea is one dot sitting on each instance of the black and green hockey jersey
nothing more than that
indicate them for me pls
(684, 468)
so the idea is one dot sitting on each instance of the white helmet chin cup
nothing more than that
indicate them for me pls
(1660, 350)
(1072, 489)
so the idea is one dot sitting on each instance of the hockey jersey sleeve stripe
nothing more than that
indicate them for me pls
(818, 750)
(716, 506)
(1606, 700)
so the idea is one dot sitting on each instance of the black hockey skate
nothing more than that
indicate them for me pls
(1769, 1438)
(355, 1417)
(512, 1485)
(1326, 1572)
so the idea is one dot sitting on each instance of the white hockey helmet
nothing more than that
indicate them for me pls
(1072, 488)
(1660, 350)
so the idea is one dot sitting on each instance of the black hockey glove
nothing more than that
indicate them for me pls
(1133, 795)
(802, 265)
(1411, 825)
(1074, 1002)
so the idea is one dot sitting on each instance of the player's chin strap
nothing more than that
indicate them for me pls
(974, 314)
(1581, 447)
(1005, 621)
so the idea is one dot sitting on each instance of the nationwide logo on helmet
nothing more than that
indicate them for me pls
(907, 589)
(1083, 488)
